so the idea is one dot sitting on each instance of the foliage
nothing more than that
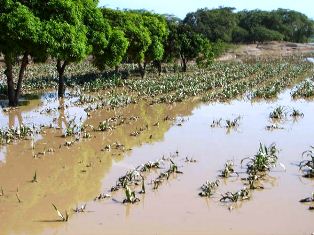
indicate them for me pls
(216, 24)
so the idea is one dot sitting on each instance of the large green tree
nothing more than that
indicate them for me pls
(138, 36)
(20, 35)
(281, 24)
(193, 46)
(215, 24)
(158, 29)
(73, 30)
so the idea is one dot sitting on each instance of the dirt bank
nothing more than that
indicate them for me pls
(268, 49)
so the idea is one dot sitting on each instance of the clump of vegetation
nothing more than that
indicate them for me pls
(265, 159)
(230, 123)
(278, 113)
(130, 196)
(307, 165)
(233, 123)
(149, 166)
(304, 90)
(208, 189)
(15, 133)
(308, 200)
(173, 169)
(228, 170)
(273, 127)
(296, 113)
(64, 217)
(243, 194)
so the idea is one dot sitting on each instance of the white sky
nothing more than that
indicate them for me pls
(181, 7)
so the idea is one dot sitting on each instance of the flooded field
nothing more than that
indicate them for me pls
(191, 141)
(211, 152)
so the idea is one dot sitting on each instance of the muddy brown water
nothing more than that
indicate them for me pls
(77, 174)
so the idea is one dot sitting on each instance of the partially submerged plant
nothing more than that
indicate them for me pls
(173, 169)
(216, 123)
(149, 165)
(80, 209)
(308, 199)
(265, 159)
(273, 127)
(130, 196)
(296, 113)
(307, 166)
(233, 123)
(209, 188)
(228, 170)
(65, 217)
(253, 182)
(278, 113)
(18, 197)
(241, 195)
(34, 180)
(143, 191)
(102, 196)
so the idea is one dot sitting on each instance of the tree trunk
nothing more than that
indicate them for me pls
(9, 74)
(159, 68)
(142, 70)
(21, 76)
(116, 69)
(61, 69)
(183, 63)
(184, 67)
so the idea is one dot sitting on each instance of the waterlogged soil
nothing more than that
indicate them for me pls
(75, 175)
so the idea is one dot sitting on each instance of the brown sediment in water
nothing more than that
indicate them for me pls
(69, 175)
(77, 174)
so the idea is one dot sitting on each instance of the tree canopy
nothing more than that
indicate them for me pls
(69, 31)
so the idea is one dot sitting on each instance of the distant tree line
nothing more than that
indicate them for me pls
(251, 26)
(69, 31)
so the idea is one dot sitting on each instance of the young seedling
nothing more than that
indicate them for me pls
(243, 194)
(143, 186)
(18, 197)
(80, 209)
(216, 123)
(191, 160)
(130, 196)
(278, 113)
(228, 170)
(253, 182)
(102, 196)
(233, 123)
(64, 218)
(308, 199)
(307, 166)
(34, 180)
(273, 127)
(209, 188)
(265, 159)
(296, 113)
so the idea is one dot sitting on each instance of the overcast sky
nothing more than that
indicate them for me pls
(181, 7)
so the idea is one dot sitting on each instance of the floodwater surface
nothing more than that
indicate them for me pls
(75, 175)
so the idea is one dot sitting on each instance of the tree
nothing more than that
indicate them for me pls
(262, 34)
(19, 36)
(138, 36)
(216, 24)
(157, 27)
(114, 52)
(279, 24)
(172, 44)
(193, 46)
(73, 30)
